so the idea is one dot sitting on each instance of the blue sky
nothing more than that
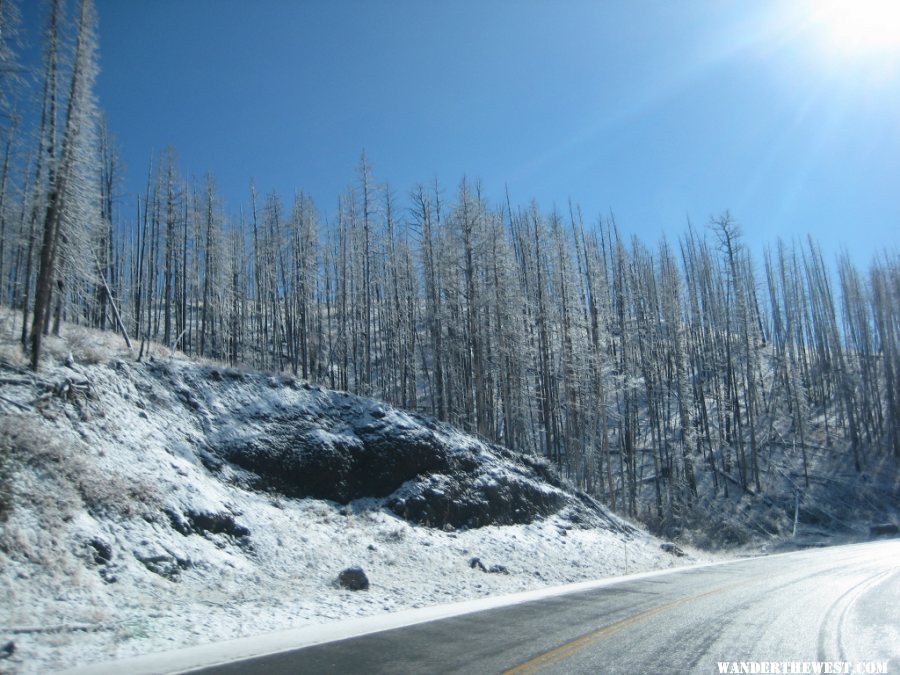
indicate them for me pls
(655, 111)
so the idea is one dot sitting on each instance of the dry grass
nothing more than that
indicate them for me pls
(10, 334)
(82, 344)
(48, 473)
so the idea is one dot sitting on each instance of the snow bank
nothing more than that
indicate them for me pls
(129, 523)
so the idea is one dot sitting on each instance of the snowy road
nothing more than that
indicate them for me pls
(839, 604)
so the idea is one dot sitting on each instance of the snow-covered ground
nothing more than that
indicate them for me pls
(118, 539)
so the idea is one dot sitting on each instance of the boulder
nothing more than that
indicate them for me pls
(101, 552)
(672, 549)
(7, 650)
(476, 564)
(353, 579)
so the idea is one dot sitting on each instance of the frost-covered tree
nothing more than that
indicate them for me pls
(10, 69)
(72, 201)
(10, 72)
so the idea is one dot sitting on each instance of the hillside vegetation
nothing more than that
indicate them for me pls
(667, 379)
(146, 506)
(669, 383)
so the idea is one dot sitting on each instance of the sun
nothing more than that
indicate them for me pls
(859, 28)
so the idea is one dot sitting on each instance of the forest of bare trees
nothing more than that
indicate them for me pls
(643, 371)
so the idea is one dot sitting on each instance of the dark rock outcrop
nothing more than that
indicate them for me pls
(197, 522)
(301, 441)
(350, 454)
(165, 565)
(301, 457)
(475, 499)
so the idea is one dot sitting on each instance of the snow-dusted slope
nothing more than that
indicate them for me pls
(147, 506)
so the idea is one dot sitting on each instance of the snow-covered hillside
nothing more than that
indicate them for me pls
(148, 506)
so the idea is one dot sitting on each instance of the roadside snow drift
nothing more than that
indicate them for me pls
(148, 506)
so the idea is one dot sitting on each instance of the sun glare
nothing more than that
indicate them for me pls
(861, 27)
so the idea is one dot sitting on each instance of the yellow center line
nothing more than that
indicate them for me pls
(563, 651)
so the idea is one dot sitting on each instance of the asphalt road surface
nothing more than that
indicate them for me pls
(825, 605)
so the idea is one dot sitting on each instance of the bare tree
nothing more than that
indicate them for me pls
(69, 200)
